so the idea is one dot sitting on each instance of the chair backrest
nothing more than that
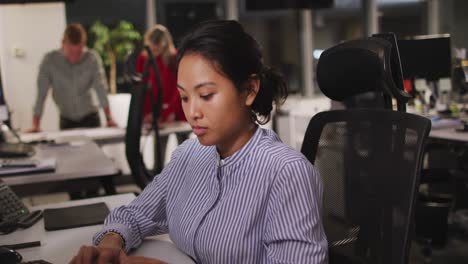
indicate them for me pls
(140, 174)
(369, 161)
(141, 87)
(363, 73)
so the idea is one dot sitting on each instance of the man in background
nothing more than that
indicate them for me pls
(71, 72)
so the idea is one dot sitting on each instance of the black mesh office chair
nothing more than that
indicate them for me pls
(363, 73)
(141, 175)
(369, 161)
(369, 158)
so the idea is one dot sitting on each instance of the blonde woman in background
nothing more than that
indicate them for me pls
(159, 40)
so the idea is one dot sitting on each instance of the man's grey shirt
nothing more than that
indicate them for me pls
(71, 84)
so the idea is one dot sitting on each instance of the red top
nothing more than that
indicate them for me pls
(171, 99)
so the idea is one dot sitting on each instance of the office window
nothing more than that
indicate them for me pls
(181, 15)
(109, 12)
(279, 37)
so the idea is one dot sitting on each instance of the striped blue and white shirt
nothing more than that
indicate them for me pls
(260, 205)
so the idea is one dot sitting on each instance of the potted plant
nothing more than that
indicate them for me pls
(113, 45)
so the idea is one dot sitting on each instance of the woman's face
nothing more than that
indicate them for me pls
(217, 112)
(156, 49)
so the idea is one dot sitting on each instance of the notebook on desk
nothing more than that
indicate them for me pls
(12, 167)
(441, 123)
(75, 216)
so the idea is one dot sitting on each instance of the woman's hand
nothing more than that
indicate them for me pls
(148, 119)
(98, 255)
(109, 250)
(124, 259)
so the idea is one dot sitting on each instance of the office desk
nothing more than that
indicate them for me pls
(449, 134)
(101, 135)
(60, 246)
(83, 159)
(443, 128)
(112, 140)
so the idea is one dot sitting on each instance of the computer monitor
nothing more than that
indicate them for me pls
(426, 57)
(10, 150)
(3, 106)
(286, 4)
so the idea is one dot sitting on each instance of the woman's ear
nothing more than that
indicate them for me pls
(253, 84)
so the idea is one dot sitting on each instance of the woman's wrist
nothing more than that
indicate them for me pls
(112, 239)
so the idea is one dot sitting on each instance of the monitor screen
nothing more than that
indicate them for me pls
(286, 4)
(426, 57)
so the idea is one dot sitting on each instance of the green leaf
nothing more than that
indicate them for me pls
(119, 40)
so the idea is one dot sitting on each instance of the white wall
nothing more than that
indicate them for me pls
(33, 29)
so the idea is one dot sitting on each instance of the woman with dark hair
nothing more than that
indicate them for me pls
(236, 193)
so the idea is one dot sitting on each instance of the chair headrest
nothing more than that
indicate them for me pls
(357, 67)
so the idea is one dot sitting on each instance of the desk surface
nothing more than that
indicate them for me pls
(101, 135)
(449, 134)
(444, 128)
(60, 246)
(81, 159)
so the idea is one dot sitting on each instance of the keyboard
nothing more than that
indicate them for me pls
(14, 150)
(40, 261)
(18, 163)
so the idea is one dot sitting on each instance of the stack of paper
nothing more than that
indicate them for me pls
(439, 123)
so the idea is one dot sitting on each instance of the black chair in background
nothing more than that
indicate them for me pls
(140, 89)
(436, 195)
(369, 156)
(443, 190)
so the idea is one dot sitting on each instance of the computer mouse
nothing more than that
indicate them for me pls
(9, 256)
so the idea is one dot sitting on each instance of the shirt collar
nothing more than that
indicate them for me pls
(85, 52)
(242, 152)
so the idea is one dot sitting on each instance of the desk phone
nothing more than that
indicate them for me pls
(10, 256)
(13, 213)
